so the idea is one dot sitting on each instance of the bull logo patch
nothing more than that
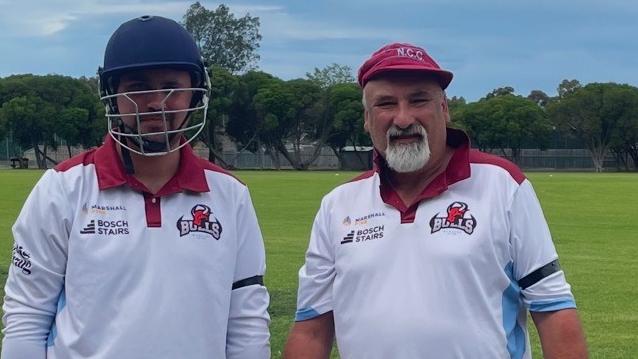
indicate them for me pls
(203, 222)
(457, 216)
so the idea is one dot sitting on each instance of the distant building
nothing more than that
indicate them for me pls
(356, 159)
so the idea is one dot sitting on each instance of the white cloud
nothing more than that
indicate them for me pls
(45, 25)
(51, 17)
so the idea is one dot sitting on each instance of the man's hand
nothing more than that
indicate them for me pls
(561, 334)
(311, 339)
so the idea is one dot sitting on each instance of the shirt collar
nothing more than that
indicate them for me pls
(110, 171)
(457, 170)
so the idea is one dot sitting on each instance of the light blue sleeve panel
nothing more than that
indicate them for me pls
(316, 276)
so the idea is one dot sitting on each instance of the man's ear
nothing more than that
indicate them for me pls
(445, 108)
(366, 116)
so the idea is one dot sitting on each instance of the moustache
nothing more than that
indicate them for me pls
(413, 130)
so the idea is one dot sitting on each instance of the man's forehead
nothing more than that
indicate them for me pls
(407, 77)
(161, 74)
(410, 86)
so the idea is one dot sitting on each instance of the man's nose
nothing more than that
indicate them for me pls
(155, 100)
(404, 117)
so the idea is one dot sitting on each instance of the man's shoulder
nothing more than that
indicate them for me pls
(82, 159)
(216, 170)
(363, 176)
(481, 158)
(353, 188)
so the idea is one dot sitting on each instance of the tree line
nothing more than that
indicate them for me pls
(261, 112)
(602, 117)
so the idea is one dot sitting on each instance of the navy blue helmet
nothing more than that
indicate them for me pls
(151, 42)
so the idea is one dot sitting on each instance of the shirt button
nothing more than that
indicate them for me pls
(154, 200)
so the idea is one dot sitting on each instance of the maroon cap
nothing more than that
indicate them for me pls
(402, 57)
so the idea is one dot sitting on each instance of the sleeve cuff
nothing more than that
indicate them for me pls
(552, 305)
(309, 313)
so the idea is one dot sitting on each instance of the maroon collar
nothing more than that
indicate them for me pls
(457, 170)
(110, 171)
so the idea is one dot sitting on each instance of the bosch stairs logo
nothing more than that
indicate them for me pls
(457, 216)
(106, 228)
(203, 222)
(363, 235)
(89, 229)
(348, 238)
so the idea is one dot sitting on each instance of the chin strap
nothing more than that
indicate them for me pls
(128, 162)
(126, 154)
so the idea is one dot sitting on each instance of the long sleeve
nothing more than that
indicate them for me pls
(36, 275)
(248, 336)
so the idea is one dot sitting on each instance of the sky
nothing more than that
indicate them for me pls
(528, 45)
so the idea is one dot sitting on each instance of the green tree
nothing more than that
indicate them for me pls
(244, 124)
(624, 142)
(223, 86)
(568, 87)
(223, 39)
(290, 114)
(593, 113)
(501, 91)
(506, 122)
(624, 138)
(540, 97)
(73, 99)
(455, 107)
(25, 119)
(274, 112)
(34, 111)
(4, 126)
(346, 110)
(307, 125)
(279, 118)
(331, 75)
(71, 122)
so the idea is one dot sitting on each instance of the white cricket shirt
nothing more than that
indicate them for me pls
(441, 279)
(104, 269)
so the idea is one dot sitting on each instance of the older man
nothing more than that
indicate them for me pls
(439, 251)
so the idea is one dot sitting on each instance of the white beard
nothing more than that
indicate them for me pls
(410, 157)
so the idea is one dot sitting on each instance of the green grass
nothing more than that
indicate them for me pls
(593, 218)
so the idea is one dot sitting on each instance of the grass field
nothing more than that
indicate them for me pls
(593, 217)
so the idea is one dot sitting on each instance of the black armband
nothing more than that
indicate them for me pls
(537, 275)
(258, 279)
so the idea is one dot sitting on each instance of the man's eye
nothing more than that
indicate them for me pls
(385, 104)
(136, 87)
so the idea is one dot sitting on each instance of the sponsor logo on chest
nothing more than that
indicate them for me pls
(102, 209)
(101, 226)
(363, 220)
(456, 217)
(106, 228)
(363, 235)
(365, 228)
